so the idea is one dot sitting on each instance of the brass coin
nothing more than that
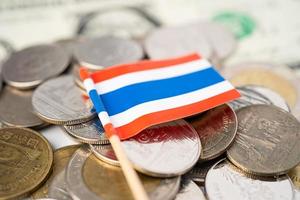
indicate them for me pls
(276, 77)
(16, 108)
(267, 141)
(216, 128)
(61, 159)
(294, 174)
(90, 132)
(90, 178)
(59, 101)
(26, 158)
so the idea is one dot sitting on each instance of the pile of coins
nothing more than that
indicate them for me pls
(246, 149)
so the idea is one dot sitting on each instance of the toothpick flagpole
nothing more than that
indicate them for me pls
(131, 176)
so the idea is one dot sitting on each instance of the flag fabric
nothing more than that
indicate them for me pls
(136, 96)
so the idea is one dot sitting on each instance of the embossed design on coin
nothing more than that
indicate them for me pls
(222, 182)
(87, 179)
(267, 141)
(59, 101)
(254, 94)
(162, 150)
(25, 161)
(105, 153)
(107, 51)
(31, 66)
(189, 191)
(216, 128)
(61, 159)
(16, 108)
(91, 132)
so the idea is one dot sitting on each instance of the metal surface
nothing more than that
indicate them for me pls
(224, 183)
(164, 150)
(105, 153)
(216, 128)
(16, 108)
(90, 132)
(267, 141)
(86, 178)
(59, 101)
(107, 51)
(27, 158)
(254, 94)
(190, 191)
(31, 66)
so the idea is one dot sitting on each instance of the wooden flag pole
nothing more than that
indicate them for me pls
(130, 174)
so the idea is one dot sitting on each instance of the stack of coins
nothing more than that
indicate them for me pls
(246, 149)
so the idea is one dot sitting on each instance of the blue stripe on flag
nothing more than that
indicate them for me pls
(124, 98)
(96, 99)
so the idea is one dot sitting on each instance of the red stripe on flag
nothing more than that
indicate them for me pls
(118, 70)
(148, 120)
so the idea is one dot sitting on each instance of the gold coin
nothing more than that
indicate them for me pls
(294, 174)
(61, 159)
(108, 181)
(26, 158)
(268, 79)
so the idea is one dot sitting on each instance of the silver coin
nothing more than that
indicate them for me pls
(59, 101)
(91, 132)
(216, 129)
(221, 40)
(177, 41)
(223, 182)
(120, 22)
(16, 108)
(107, 51)
(31, 66)
(199, 171)
(105, 153)
(77, 184)
(58, 187)
(189, 191)
(254, 94)
(267, 141)
(297, 194)
(162, 150)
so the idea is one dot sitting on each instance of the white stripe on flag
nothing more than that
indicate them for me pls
(137, 111)
(150, 75)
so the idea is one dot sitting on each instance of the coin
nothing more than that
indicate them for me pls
(58, 187)
(76, 76)
(175, 41)
(90, 178)
(105, 153)
(16, 108)
(222, 182)
(31, 66)
(61, 159)
(267, 141)
(216, 128)
(107, 51)
(91, 132)
(120, 22)
(59, 101)
(26, 160)
(189, 190)
(254, 94)
(199, 171)
(294, 174)
(276, 77)
(221, 39)
(162, 150)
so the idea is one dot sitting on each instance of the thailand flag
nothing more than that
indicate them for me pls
(135, 96)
